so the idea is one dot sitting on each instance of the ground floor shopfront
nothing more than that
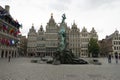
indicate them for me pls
(45, 52)
(6, 51)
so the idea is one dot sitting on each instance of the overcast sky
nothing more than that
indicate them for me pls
(103, 15)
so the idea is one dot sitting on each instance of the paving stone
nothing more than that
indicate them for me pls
(23, 69)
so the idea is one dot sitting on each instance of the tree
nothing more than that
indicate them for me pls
(93, 48)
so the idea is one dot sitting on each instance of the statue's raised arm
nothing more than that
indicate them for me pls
(63, 18)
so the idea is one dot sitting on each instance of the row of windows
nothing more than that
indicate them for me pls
(82, 40)
(84, 51)
(75, 49)
(74, 36)
(117, 38)
(84, 54)
(75, 45)
(41, 38)
(84, 46)
(116, 47)
(32, 35)
(31, 50)
(52, 44)
(74, 41)
(40, 49)
(52, 36)
(56, 44)
(85, 40)
(31, 44)
(51, 49)
(40, 45)
(116, 42)
(93, 35)
(31, 38)
(85, 35)
(52, 31)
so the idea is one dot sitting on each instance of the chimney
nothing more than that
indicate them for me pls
(7, 7)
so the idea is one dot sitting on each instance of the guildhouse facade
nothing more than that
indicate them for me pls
(32, 42)
(51, 36)
(45, 43)
(111, 44)
(74, 40)
(9, 30)
(85, 36)
(22, 45)
(40, 47)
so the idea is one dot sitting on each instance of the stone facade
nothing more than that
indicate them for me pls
(105, 47)
(85, 36)
(74, 40)
(46, 42)
(22, 46)
(32, 40)
(9, 30)
(41, 50)
(51, 36)
(111, 44)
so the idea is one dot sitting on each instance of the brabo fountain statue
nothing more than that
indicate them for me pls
(62, 36)
(62, 55)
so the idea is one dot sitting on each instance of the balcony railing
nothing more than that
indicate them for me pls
(8, 35)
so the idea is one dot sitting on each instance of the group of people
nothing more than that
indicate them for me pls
(117, 57)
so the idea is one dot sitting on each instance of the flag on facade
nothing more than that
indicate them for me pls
(3, 41)
(0, 40)
(11, 31)
(0, 27)
(8, 42)
(12, 42)
(16, 32)
(5, 27)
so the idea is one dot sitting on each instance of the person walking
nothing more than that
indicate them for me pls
(109, 58)
(9, 57)
(119, 56)
(116, 57)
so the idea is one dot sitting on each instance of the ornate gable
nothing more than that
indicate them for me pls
(51, 22)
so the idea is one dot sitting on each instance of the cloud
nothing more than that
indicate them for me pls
(60, 5)
(65, 1)
(96, 4)
(100, 2)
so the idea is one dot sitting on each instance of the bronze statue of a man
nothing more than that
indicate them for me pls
(63, 18)
(62, 34)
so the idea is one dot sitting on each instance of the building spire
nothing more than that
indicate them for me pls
(32, 24)
(51, 15)
(73, 21)
(51, 20)
(41, 28)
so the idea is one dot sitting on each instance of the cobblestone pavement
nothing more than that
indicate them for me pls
(23, 69)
